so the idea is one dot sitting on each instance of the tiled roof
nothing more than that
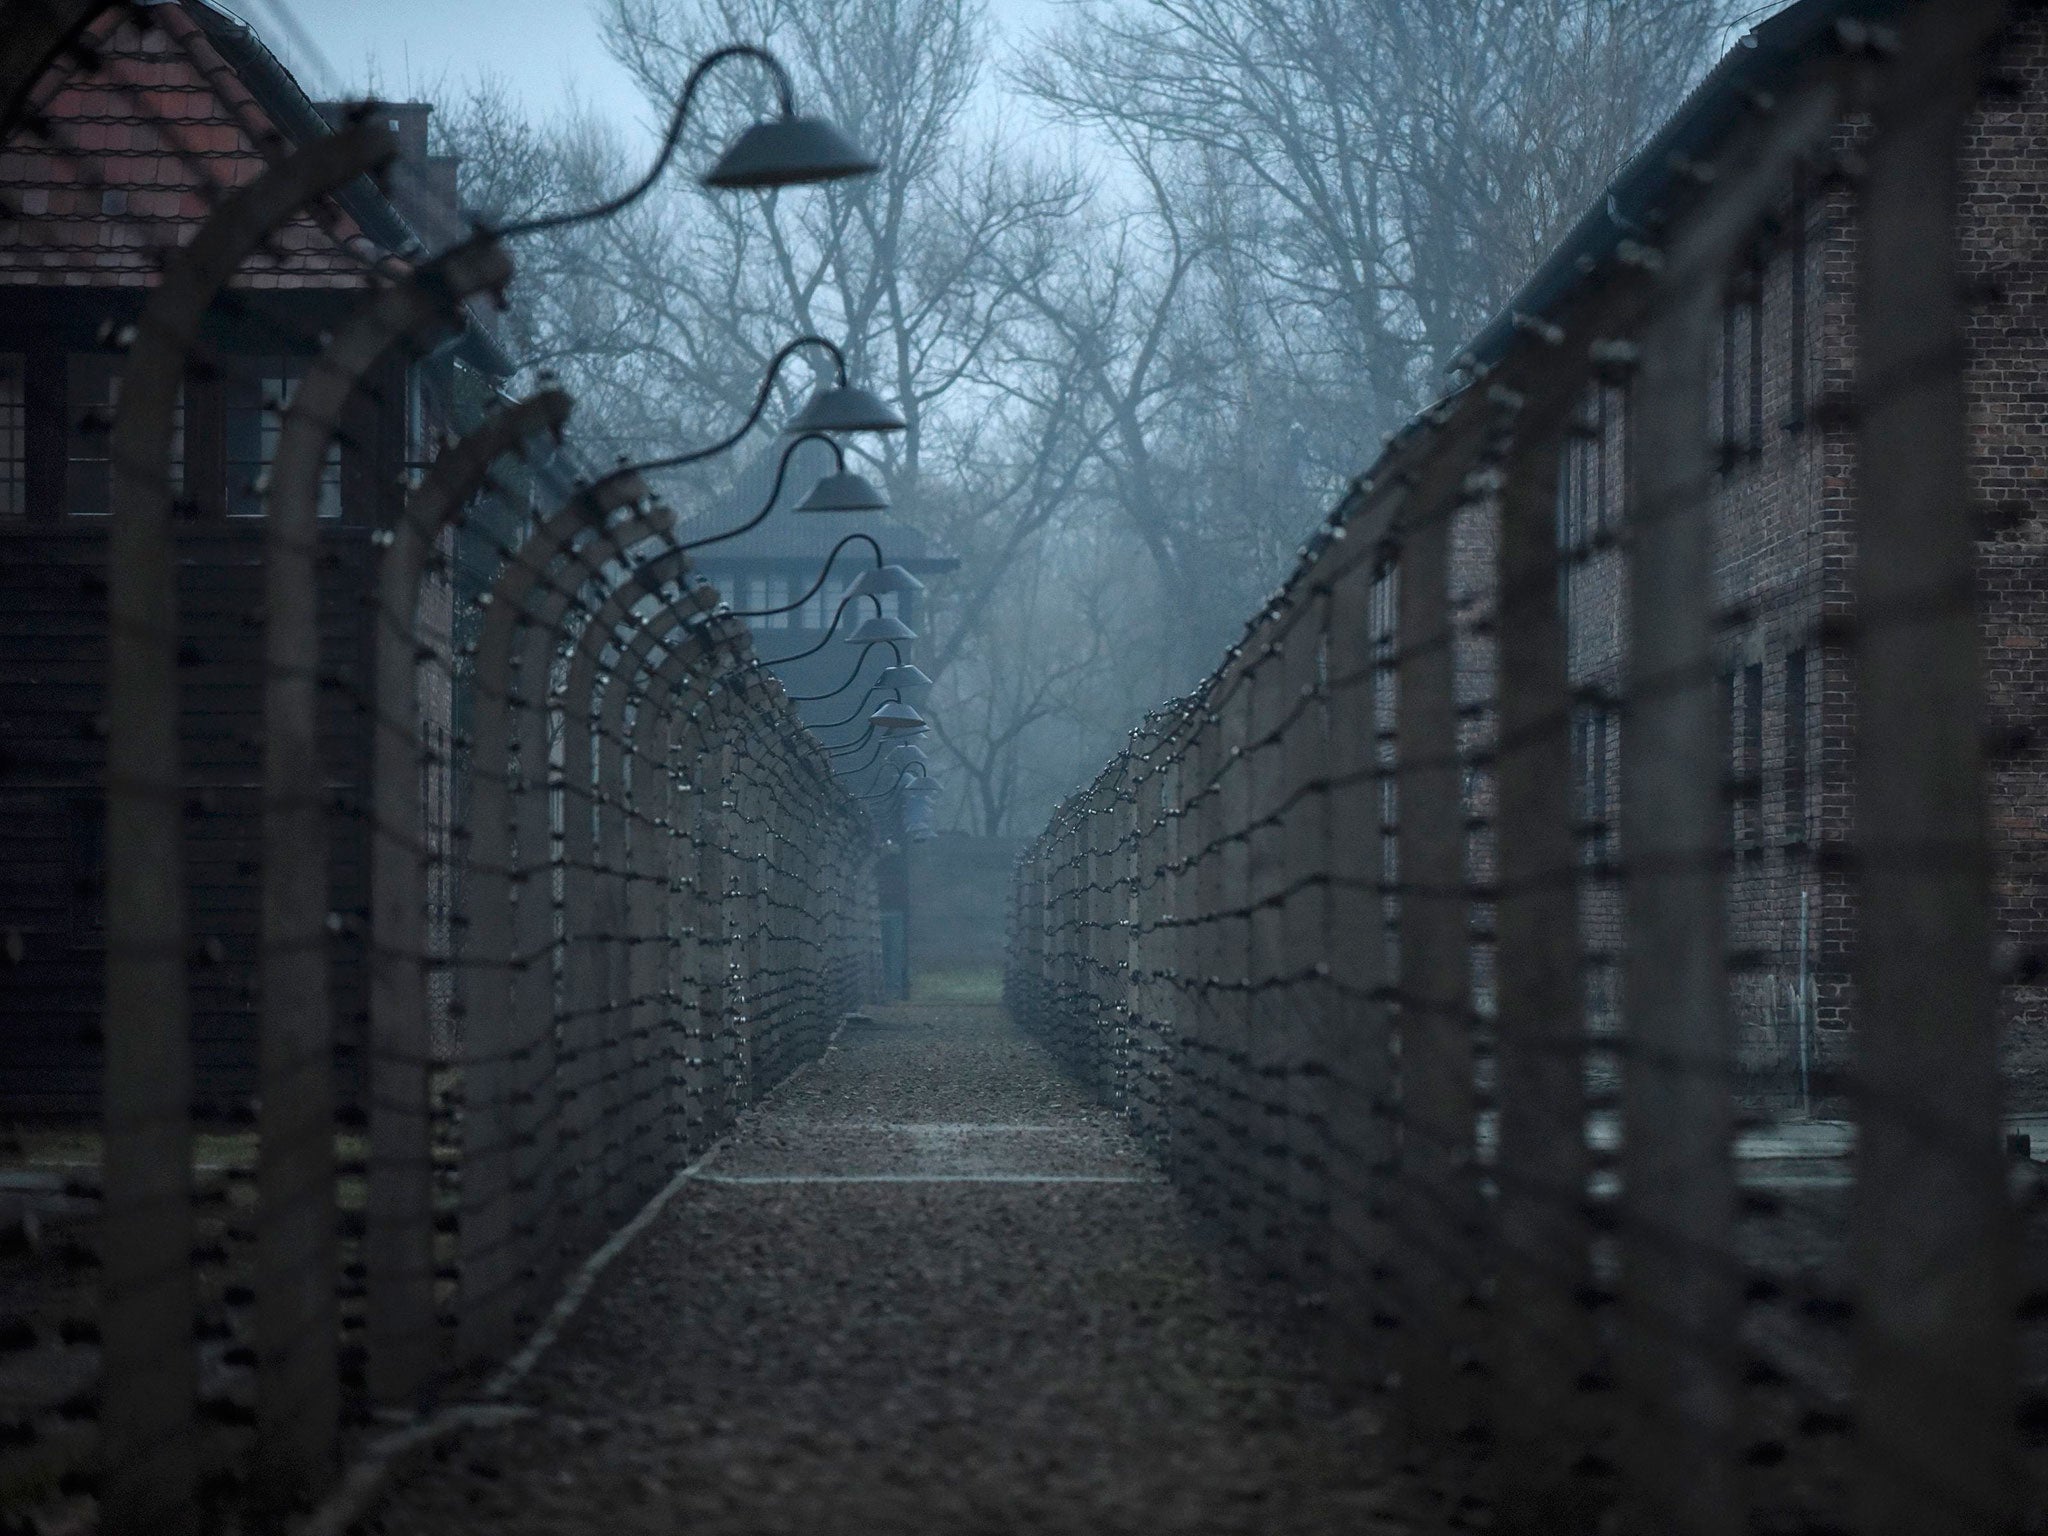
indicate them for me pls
(134, 154)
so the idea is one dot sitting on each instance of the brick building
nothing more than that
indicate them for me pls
(1784, 526)
(123, 167)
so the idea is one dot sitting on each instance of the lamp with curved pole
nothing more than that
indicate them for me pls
(833, 725)
(817, 586)
(831, 628)
(839, 407)
(786, 151)
(853, 676)
(774, 491)
(883, 794)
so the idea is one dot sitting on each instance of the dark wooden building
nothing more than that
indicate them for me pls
(775, 563)
(127, 162)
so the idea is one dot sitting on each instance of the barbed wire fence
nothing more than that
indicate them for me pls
(1446, 1035)
(485, 1041)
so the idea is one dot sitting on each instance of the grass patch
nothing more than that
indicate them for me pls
(976, 986)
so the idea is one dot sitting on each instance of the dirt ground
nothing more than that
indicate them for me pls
(924, 1289)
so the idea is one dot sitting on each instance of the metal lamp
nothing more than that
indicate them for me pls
(788, 151)
(905, 679)
(896, 716)
(844, 407)
(881, 580)
(881, 628)
(844, 490)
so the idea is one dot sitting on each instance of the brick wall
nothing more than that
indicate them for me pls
(1784, 536)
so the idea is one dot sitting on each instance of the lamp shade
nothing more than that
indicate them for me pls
(880, 628)
(904, 754)
(903, 679)
(845, 408)
(788, 152)
(895, 716)
(881, 580)
(844, 491)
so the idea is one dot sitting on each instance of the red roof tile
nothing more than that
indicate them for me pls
(165, 126)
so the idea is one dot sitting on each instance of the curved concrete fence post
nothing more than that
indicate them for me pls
(636, 710)
(633, 800)
(594, 838)
(148, 1361)
(1682, 1302)
(647, 703)
(577, 1121)
(508, 1026)
(398, 1240)
(1936, 1244)
(693, 959)
(298, 1389)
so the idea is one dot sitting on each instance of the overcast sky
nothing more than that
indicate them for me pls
(548, 51)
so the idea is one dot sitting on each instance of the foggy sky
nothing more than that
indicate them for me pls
(548, 51)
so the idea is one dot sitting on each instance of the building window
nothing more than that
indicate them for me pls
(827, 602)
(13, 436)
(765, 592)
(1730, 448)
(1750, 770)
(1601, 520)
(1755, 308)
(1596, 742)
(1795, 749)
(256, 405)
(92, 389)
(1730, 701)
(1795, 418)
(87, 856)
(93, 393)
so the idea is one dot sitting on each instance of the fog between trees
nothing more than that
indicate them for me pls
(1149, 286)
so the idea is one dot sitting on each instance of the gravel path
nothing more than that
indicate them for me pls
(923, 1289)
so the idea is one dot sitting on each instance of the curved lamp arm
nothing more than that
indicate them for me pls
(883, 794)
(851, 677)
(853, 746)
(837, 614)
(873, 689)
(784, 91)
(818, 585)
(774, 492)
(783, 354)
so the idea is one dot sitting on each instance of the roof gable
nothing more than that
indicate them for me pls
(133, 154)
